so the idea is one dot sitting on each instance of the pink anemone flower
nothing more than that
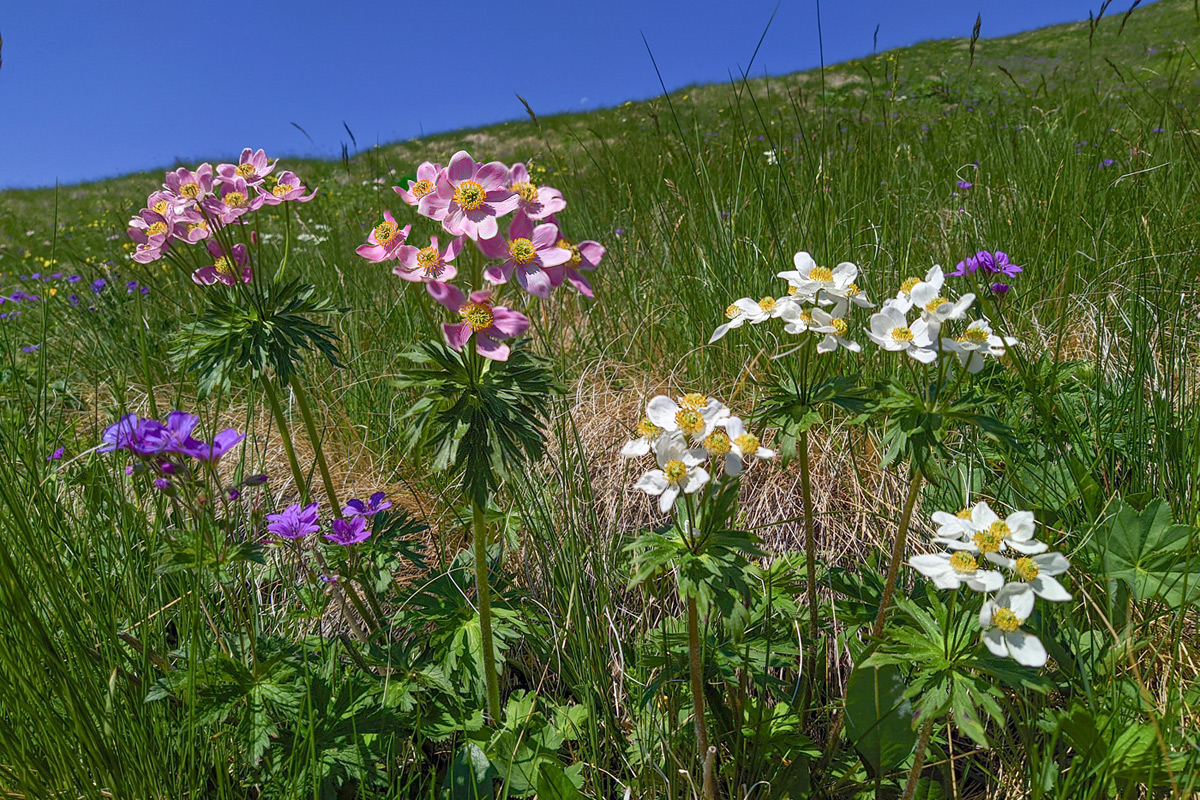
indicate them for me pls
(538, 202)
(253, 166)
(225, 269)
(429, 263)
(490, 324)
(425, 184)
(233, 199)
(288, 188)
(191, 228)
(189, 188)
(385, 240)
(469, 198)
(150, 228)
(583, 256)
(528, 251)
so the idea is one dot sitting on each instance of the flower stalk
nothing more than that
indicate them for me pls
(889, 588)
(483, 591)
(696, 669)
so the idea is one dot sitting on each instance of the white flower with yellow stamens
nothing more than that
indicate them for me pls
(936, 308)
(679, 471)
(977, 341)
(743, 446)
(954, 526)
(1037, 572)
(648, 434)
(994, 535)
(799, 319)
(1001, 619)
(952, 570)
(746, 310)
(891, 331)
(693, 415)
(809, 280)
(835, 328)
(934, 279)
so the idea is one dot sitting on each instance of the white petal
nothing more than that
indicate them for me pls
(1017, 596)
(1025, 648)
(734, 427)
(922, 355)
(733, 464)
(930, 564)
(827, 345)
(982, 515)
(985, 613)
(1049, 588)
(668, 499)
(1028, 548)
(636, 448)
(696, 478)
(947, 580)
(662, 410)
(804, 263)
(1051, 563)
(765, 453)
(720, 332)
(994, 640)
(986, 580)
(653, 482)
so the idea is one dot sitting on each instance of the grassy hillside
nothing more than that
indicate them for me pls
(1073, 149)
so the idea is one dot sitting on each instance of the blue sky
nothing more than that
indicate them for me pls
(93, 89)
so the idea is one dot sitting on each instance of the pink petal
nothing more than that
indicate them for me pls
(534, 280)
(462, 167)
(447, 294)
(482, 296)
(372, 252)
(518, 174)
(408, 256)
(498, 273)
(580, 283)
(521, 227)
(508, 323)
(413, 276)
(544, 235)
(553, 256)
(456, 335)
(490, 348)
(492, 175)
(507, 205)
(495, 247)
(485, 228)
(592, 253)
(452, 249)
(428, 172)
(205, 276)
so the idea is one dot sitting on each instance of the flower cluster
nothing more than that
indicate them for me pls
(1006, 543)
(684, 434)
(469, 199)
(818, 299)
(164, 448)
(995, 267)
(926, 337)
(195, 205)
(296, 521)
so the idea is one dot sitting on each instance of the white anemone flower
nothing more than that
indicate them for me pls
(891, 331)
(743, 446)
(937, 309)
(1001, 619)
(977, 341)
(835, 329)
(746, 310)
(954, 526)
(809, 279)
(1037, 572)
(648, 434)
(679, 471)
(799, 319)
(694, 414)
(934, 278)
(994, 535)
(952, 570)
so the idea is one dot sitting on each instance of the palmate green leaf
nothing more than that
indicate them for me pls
(1148, 552)
(268, 335)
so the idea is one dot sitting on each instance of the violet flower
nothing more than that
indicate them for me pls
(294, 522)
(377, 502)
(349, 531)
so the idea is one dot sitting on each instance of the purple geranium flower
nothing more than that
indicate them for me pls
(141, 436)
(964, 185)
(994, 263)
(377, 502)
(295, 522)
(98, 285)
(349, 531)
(32, 348)
(56, 455)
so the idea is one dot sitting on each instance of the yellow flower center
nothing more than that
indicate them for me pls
(190, 190)
(823, 274)
(732, 311)
(236, 200)
(963, 562)
(1026, 568)
(908, 285)
(470, 195)
(693, 401)
(748, 442)
(385, 232)
(478, 316)
(246, 170)
(839, 326)
(902, 335)
(160, 207)
(522, 251)
(792, 291)
(964, 514)
(689, 421)
(676, 472)
(648, 430)
(717, 443)
(527, 190)
(422, 188)
(974, 336)
(933, 305)
(852, 290)
(767, 304)
(157, 229)
(988, 541)
(1006, 620)
(429, 259)
(192, 227)
(576, 256)
(224, 266)
(280, 189)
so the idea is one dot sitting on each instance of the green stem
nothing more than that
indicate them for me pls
(310, 425)
(914, 775)
(287, 241)
(889, 588)
(810, 545)
(485, 614)
(695, 667)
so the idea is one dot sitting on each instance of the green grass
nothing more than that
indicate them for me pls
(1083, 153)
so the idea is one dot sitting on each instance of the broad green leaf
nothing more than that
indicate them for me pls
(470, 775)
(1146, 552)
(554, 784)
(878, 718)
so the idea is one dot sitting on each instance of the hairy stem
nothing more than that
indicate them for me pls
(889, 589)
(483, 590)
(310, 425)
(810, 545)
(914, 775)
(697, 674)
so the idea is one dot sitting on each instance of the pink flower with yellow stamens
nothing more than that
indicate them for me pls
(232, 199)
(428, 263)
(188, 188)
(585, 255)
(469, 198)
(227, 268)
(424, 185)
(490, 324)
(538, 202)
(528, 251)
(287, 189)
(252, 167)
(385, 240)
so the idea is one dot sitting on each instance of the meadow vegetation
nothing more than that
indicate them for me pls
(824, 435)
